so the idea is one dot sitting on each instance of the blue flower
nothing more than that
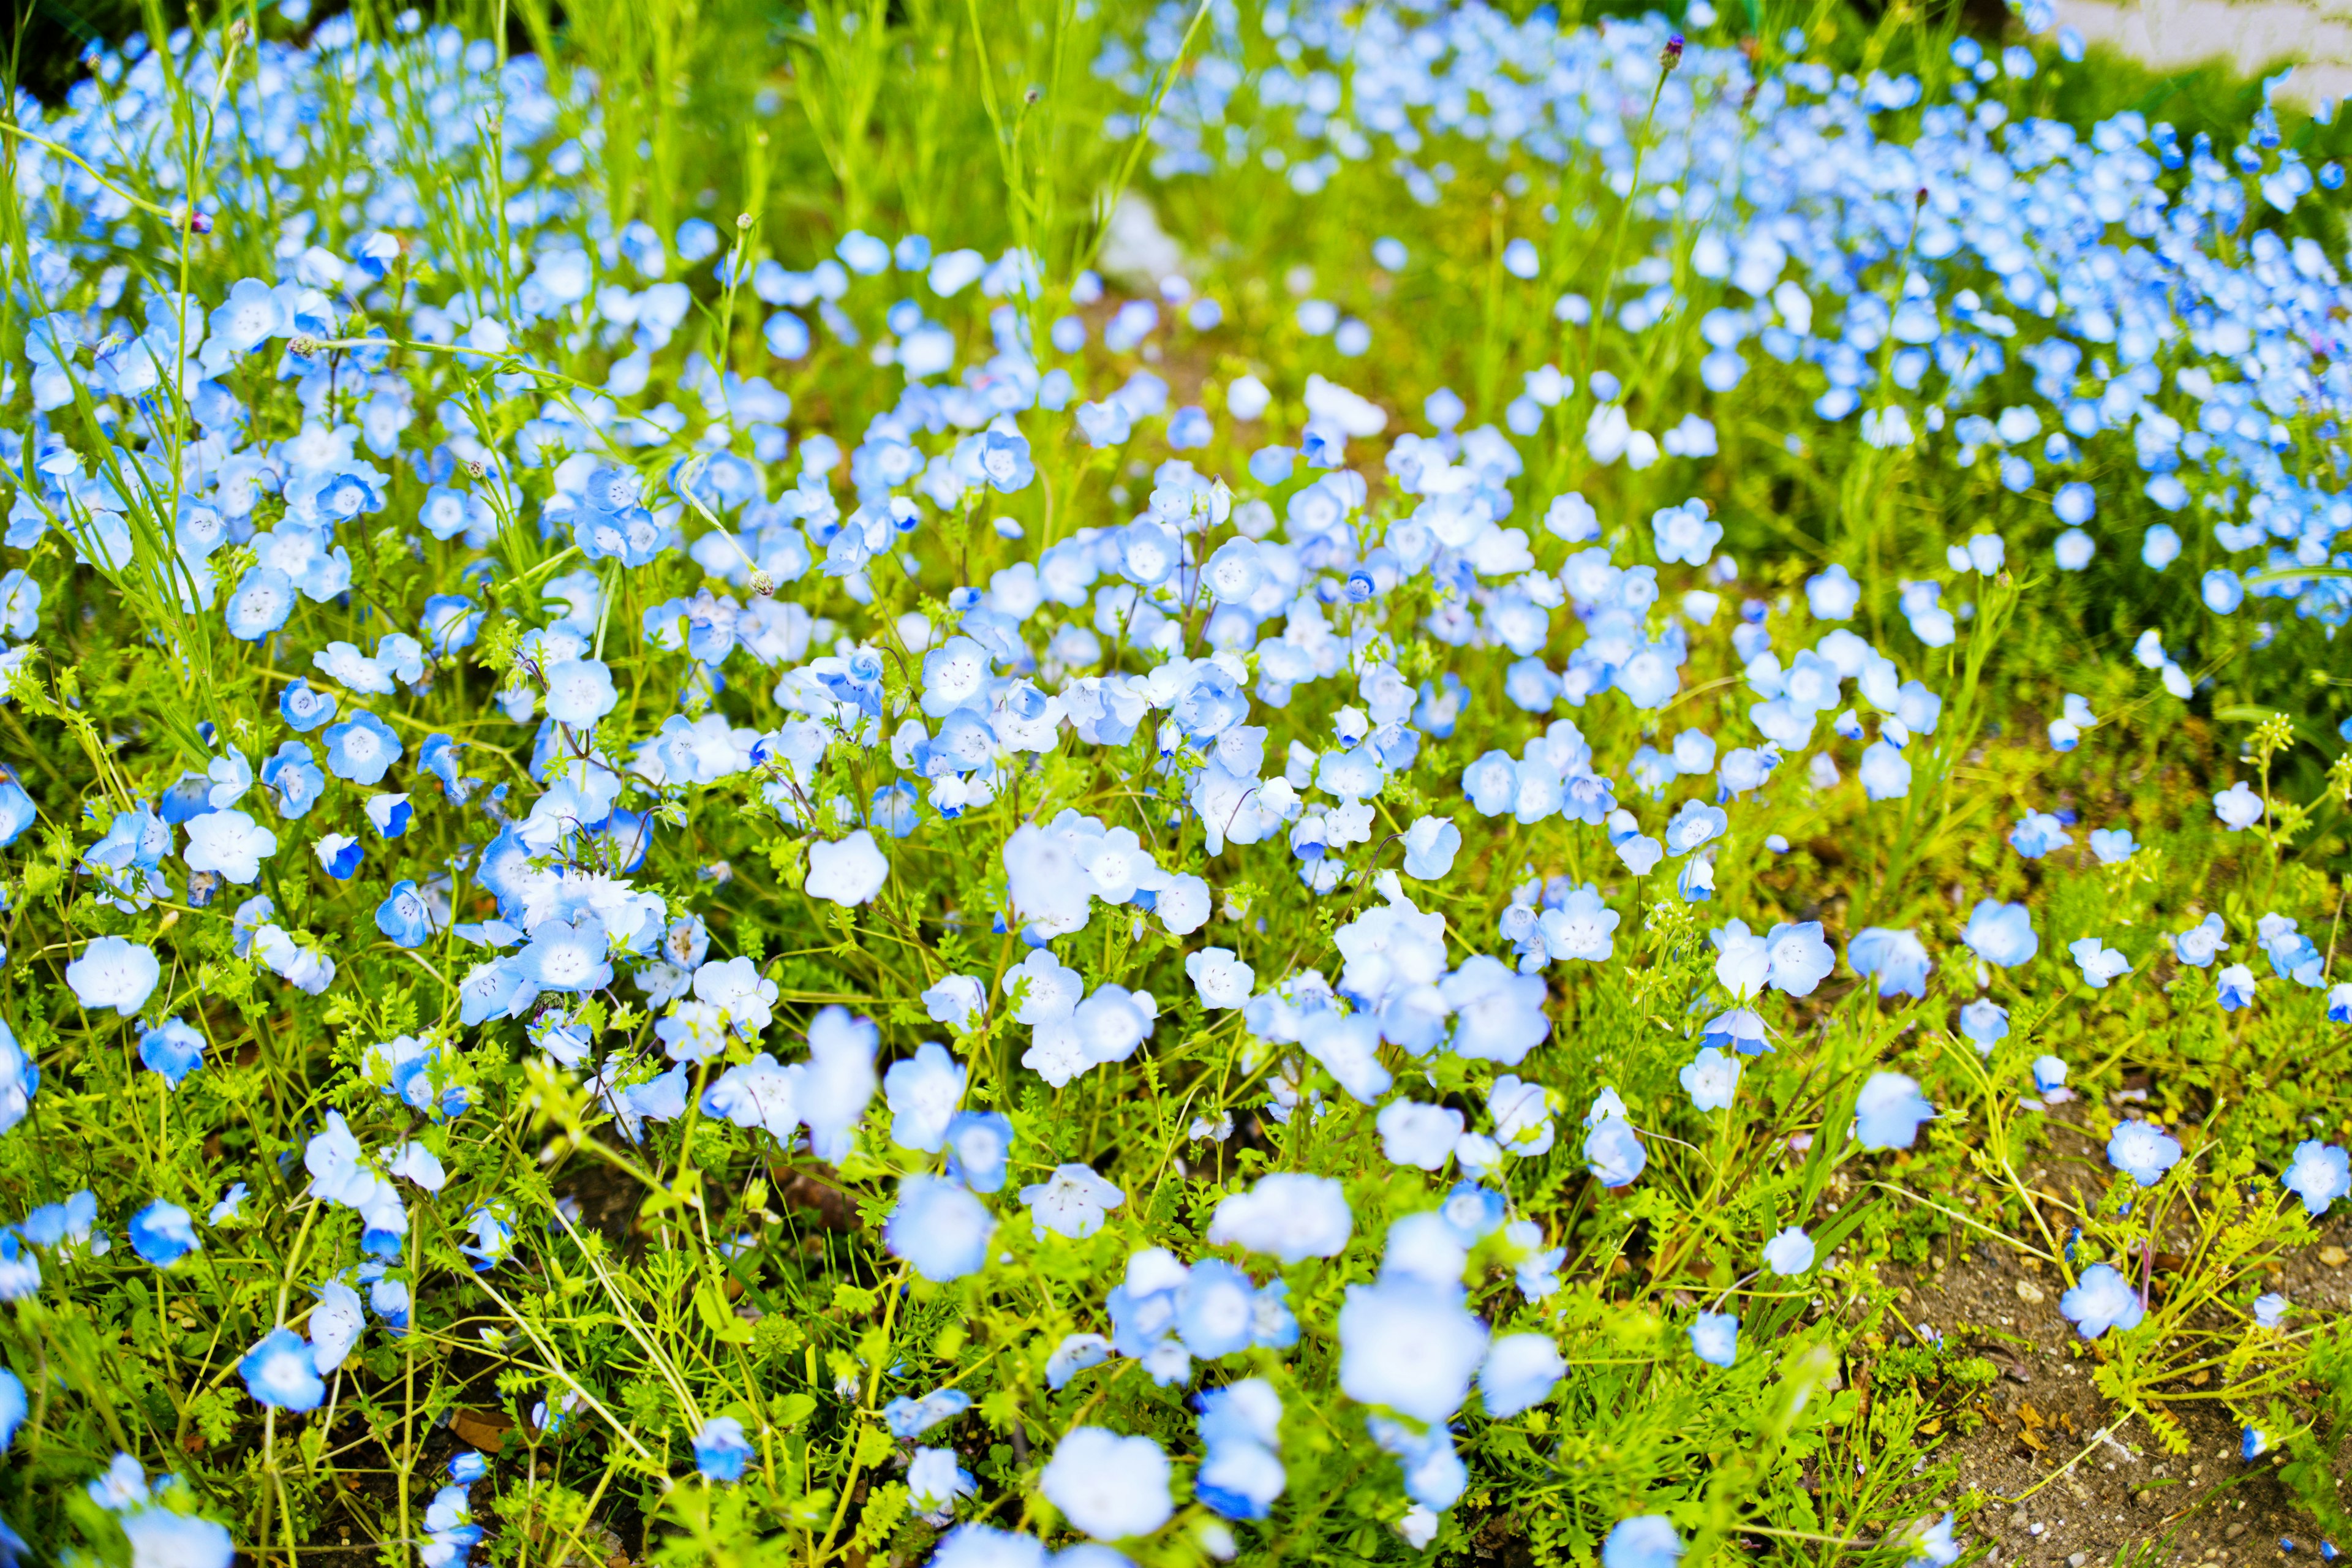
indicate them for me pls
(340, 854)
(1711, 1080)
(1715, 1337)
(1897, 957)
(2037, 834)
(1520, 1371)
(1005, 460)
(404, 916)
(1889, 1112)
(263, 600)
(2201, 943)
(2319, 1175)
(14, 1407)
(362, 749)
(114, 972)
(912, 1417)
(305, 708)
(566, 957)
(1790, 1252)
(2100, 964)
(172, 1049)
(1409, 1344)
(1106, 1485)
(721, 1450)
(940, 1230)
(1289, 1215)
(2002, 934)
(1071, 1202)
(1649, 1540)
(162, 1234)
(295, 774)
(279, 1372)
(1612, 1148)
(2254, 1443)
(979, 1143)
(2102, 1300)
(2233, 988)
(923, 1092)
(579, 693)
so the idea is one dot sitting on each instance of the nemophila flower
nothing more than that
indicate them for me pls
(1832, 594)
(162, 1234)
(17, 810)
(388, 814)
(1106, 1485)
(1933, 1546)
(1889, 1112)
(1220, 979)
(1518, 1372)
(1412, 1133)
(2099, 963)
(580, 691)
(934, 1482)
(2238, 807)
(2112, 845)
(1884, 771)
(848, 872)
(721, 1450)
(2318, 1174)
(2339, 1002)
(296, 777)
(2234, 988)
(2270, 1312)
(923, 1092)
(1430, 846)
(2049, 1074)
(1612, 1148)
(566, 956)
(265, 597)
(14, 1407)
(362, 749)
(2102, 1298)
(1711, 1080)
(957, 1001)
(1789, 1253)
(1521, 1113)
(2199, 945)
(2002, 934)
(1411, 1345)
(2252, 1444)
(1289, 1215)
(1795, 957)
(280, 1372)
(2037, 834)
(172, 1051)
(978, 1144)
(1071, 1202)
(940, 1228)
(1897, 957)
(336, 1325)
(912, 1417)
(2143, 1151)
(114, 972)
(1646, 1542)
(1715, 1337)
(340, 854)
(404, 916)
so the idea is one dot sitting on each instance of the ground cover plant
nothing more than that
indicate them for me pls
(1240, 782)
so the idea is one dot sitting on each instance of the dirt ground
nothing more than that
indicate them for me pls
(2122, 1500)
